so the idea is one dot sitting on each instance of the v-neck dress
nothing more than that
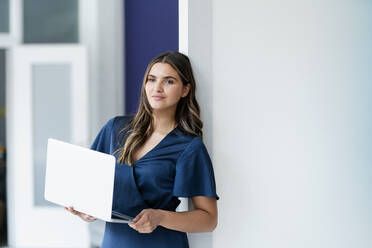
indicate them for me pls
(178, 166)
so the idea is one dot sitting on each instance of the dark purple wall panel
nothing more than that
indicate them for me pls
(151, 28)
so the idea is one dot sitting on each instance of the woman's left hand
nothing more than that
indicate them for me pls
(147, 220)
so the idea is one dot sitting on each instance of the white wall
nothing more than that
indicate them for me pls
(195, 39)
(291, 122)
(102, 32)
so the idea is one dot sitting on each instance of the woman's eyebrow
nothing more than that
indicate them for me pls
(170, 77)
(163, 77)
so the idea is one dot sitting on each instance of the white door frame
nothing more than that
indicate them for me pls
(30, 225)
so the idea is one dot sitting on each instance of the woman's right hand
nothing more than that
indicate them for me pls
(85, 217)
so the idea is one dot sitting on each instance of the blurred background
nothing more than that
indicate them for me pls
(284, 88)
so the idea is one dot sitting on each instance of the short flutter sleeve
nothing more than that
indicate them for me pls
(103, 140)
(194, 172)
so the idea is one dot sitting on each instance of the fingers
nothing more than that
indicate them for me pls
(142, 220)
(135, 225)
(138, 216)
(85, 217)
(142, 223)
(71, 210)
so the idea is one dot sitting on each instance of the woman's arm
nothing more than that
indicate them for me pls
(202, 219)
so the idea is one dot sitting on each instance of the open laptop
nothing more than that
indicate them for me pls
(81, 178)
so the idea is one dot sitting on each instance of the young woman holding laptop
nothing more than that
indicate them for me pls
(160, 157)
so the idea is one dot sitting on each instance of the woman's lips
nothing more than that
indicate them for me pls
(158, 97)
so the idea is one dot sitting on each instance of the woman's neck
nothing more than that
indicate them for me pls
(163, 122)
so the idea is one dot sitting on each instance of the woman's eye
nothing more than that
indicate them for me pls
(169, 81)
(151, 80)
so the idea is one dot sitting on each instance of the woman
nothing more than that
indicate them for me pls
(160, 157)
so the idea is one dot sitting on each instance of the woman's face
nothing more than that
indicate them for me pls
(164, 87)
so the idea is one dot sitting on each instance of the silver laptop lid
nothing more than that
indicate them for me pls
(81, 178)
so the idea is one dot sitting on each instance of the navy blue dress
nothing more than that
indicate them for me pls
(179, 166)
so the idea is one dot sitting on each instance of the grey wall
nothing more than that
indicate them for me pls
(2, 96)
(198, 34)
(292, 123)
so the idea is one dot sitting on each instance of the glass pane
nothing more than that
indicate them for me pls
(50, 21)
(51, 92)
(4, 16)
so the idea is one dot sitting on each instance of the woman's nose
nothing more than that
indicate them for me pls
(158, 86)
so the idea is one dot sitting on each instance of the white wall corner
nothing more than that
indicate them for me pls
(195, 40)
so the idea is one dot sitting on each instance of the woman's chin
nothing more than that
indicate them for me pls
(158, 107)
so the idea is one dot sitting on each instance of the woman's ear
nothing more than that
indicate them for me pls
(186, 90)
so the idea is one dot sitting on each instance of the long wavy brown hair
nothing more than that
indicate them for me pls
(187, 112)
